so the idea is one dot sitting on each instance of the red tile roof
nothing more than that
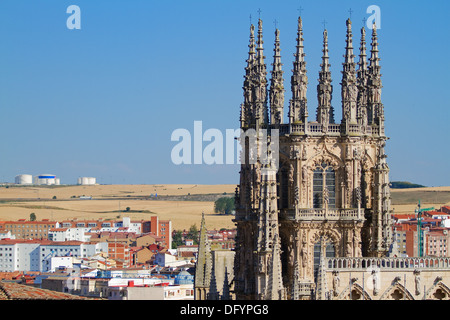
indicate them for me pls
(15, 291)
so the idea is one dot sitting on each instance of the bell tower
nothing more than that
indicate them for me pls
(329, 195)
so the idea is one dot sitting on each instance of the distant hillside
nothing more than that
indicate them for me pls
(405, 185)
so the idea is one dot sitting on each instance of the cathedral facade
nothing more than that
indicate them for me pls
(327, 195)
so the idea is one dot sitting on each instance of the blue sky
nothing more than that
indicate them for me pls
(104, 100)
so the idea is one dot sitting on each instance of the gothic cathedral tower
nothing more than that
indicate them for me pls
(328, 193)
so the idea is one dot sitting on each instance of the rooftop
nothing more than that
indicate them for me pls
(16, 291)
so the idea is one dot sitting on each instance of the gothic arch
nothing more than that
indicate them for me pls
(396, 291)
(328, 157)
(328, 234)
(439, 291)
(358, 293)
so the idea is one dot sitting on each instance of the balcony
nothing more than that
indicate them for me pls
(321, 214)
(333, 129)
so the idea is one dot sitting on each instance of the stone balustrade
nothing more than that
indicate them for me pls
(321, 214)
(388, 263)
(333, 129)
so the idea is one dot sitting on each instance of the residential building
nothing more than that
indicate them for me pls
(20, 255)
(23, 229)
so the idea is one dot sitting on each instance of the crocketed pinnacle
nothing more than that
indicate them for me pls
(324, 88)
(349, 88)
(374, 59)
(325, 65)
(277, 84)
(362, 64)
(260, 51)
(349, 63)
(299, 81)
(299, 64)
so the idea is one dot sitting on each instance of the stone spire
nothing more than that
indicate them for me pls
(203, 267)
(275, 288)
(298, 105)
(362, 81)
(268, 273)
(324, 88)
(247, 106)
(276, 85)
(349, 89)
(382, 226)
(375, 107)
(260, 81)
(321, 289)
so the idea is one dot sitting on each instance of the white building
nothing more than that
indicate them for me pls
(75, 249)
(7, 235)
(444, 217)
(19, 255)
(132, 291)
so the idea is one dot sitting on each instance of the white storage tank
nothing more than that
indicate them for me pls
(24, 179)
(86, 181)
(45, 179)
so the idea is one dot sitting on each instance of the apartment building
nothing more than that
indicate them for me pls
(437, 242)
(19, 255)
(434, 236)
(23, 229)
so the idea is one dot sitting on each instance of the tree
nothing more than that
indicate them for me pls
(177, 239)
(32, 216)
(224, 205)
(193, 233)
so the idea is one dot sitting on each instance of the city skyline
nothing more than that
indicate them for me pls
(103, 100)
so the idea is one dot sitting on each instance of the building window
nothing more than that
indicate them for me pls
(324, 182)
(327, 248)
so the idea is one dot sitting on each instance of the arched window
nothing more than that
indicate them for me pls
(324, 182)
(321, 248)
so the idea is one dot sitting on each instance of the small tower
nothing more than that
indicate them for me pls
(298, 111)
(276, 85)
(325, 114)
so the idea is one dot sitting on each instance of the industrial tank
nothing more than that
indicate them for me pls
(24, 179)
